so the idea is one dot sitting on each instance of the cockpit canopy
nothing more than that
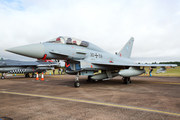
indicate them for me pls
(69, 40)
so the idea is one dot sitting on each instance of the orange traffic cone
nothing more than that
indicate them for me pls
(37, 78)
(42, 78)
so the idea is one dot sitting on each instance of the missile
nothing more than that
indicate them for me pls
(102, 76)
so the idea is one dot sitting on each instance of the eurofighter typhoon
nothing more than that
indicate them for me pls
(25, 67)
(84, 58)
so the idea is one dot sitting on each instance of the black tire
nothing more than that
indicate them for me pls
(2, 77)
(26, 75)
(34, 76)
(89, 79)
(77, 84)
(127, 80)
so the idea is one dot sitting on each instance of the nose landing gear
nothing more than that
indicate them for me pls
(77, 83)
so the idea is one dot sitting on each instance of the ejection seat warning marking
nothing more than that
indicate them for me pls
(96, 55)
(94, 102)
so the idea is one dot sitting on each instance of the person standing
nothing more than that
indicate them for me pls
(54, 71)
(150, 71)
(61, 71)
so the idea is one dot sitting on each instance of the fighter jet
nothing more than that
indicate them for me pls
(84, 58)
(25, 67)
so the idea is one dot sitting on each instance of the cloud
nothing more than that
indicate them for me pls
(108, 24)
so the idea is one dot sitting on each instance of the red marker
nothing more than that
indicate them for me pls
(67, 65)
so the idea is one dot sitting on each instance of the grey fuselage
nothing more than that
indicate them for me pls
(71, 53)
(79, 55)
(89, 55)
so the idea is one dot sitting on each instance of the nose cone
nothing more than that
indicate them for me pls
(33, 50)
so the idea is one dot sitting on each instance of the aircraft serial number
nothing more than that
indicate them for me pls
(96, 55)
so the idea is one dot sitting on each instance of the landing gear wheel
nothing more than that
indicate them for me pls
(2, 77)
(33, 76)
(127, 80)
(26, 75)
(89, 79)
(77, 84)
(130, 81)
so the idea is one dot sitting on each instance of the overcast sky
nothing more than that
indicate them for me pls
(154, 24)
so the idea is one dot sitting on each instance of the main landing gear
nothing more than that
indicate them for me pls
(89, 79)
(77, 83)
(33, 75)
(27, 75)
(126, 80)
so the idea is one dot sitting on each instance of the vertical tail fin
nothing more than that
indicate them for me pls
(126, 51)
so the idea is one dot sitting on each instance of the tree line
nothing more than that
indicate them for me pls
(178, 63)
